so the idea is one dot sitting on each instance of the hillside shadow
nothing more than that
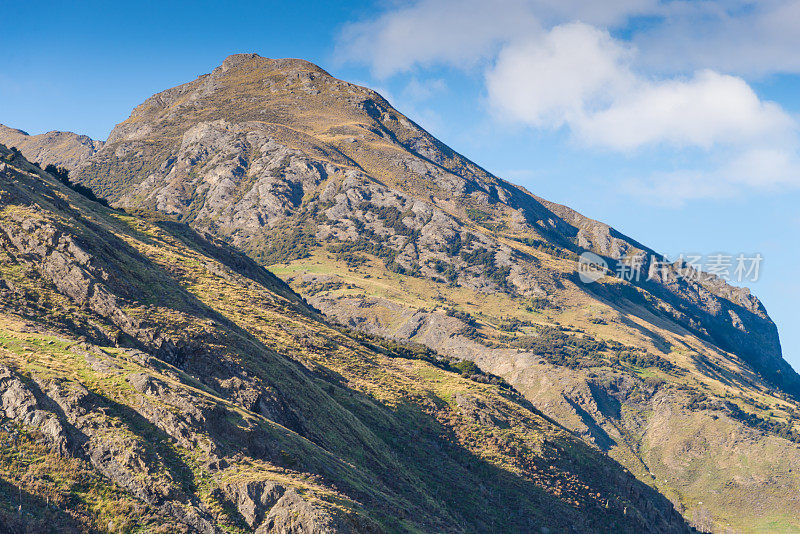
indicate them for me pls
(23, 512)
(717, 372)
(418, 458)
(600, 436)
(514, 502)
(658, 340)
(234, 259)
(637, 307)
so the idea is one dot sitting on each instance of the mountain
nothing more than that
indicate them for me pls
(154, 379)
(677, 375)
(62, 149)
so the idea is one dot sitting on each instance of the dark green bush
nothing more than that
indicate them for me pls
(477, 215)
(466, 368)
(62, 175)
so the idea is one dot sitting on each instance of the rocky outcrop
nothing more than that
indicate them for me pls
(75, 422)
(271, 507)
(20, 404)
(66, 415)
(62, 149)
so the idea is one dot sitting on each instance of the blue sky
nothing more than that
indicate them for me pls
(676, 122)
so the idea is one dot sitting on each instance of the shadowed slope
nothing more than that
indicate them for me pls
(160, 378)
(384, 228)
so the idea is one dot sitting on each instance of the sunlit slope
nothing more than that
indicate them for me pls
(152, 377)
(679, 376)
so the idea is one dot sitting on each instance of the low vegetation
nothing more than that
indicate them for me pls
(62, 175)
(416, 351)
(562, 348)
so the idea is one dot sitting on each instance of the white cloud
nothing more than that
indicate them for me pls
(605, 13)
(734, 36)
(550, 81)
(753, 171)
(577, 75)
(552, 64)
(465, 32)
(436, 32)
(703, 111)
(417, 89)
(764, 168)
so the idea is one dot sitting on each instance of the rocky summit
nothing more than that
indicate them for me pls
(420, 354)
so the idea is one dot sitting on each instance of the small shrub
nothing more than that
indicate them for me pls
(466, 368)
(477, 215)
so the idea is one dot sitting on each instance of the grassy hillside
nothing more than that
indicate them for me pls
(678, 376)
(153, 379)
(692, 421)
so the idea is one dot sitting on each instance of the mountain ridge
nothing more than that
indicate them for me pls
(173, 384)
(387, 230)
(63, 149)
(589, 235)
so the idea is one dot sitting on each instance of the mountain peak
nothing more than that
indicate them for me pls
(240, 150)
(253, 60)
(387, 230)
(63, 149)
(7, 130)
(244, 88)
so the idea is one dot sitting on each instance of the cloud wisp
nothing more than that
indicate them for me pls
(435, 32)
(548, 72)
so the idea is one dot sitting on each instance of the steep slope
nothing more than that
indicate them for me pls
(62, 149)
(679, 376)
(236, 149)
(154, 378)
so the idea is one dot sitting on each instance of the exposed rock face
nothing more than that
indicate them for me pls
(62, 149)
(270, 507)
(20, 404)
(260, 142)
(388, 230)
(265, 506)
(210, 398)
(731, 317)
